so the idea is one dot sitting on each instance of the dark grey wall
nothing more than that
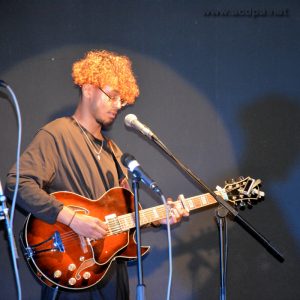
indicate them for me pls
(221, 91)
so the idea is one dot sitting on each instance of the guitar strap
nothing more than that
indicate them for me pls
(122, 172)
(112, 149)
(104, 180)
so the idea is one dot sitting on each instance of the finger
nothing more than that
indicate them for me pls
(170, 204)
(103, 225)
(174, 215)
(184, 212)
(169, 199)
(103, 232)
(100, 233)
(98, 228)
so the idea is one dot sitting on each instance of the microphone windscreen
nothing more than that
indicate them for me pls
(129, 119)
(126, 158)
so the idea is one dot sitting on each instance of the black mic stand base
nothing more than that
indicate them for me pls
(221, 214)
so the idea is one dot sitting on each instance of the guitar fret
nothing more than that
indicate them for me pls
(158, 213)
(190, 203)
(126, 222)
(149, 215)
(198, 201)
(155, 213)
(203, 199)
(143, 218)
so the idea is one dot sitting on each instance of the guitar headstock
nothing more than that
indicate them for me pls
(243, 191)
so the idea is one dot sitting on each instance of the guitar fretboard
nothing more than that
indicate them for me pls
(156, 213)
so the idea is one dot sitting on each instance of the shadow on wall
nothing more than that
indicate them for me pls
(271, 125)
(271, 152)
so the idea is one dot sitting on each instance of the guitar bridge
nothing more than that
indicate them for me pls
(55, 240)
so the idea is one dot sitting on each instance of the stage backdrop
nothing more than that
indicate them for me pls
(219, 85)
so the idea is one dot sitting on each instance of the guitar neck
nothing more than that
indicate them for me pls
(157, 213)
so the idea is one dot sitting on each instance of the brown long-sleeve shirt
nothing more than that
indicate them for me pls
(60, 158)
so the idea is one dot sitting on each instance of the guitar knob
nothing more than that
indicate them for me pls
(86, 275)
(71, 267)
(57, 274)
(72, 281)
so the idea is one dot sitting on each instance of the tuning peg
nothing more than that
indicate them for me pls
(229, 181)
(257, 182)
(242, 205)
(228, 187)
(240, 178)
(249, 204)
(259, 193)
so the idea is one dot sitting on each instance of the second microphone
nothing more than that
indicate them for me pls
(135, 169)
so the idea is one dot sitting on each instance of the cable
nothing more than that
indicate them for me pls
(169, 246)
(10, 223)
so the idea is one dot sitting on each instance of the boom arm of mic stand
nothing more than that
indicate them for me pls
(250, 229)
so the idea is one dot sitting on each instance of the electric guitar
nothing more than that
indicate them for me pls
(61, 258)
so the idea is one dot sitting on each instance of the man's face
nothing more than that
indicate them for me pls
(105, 105)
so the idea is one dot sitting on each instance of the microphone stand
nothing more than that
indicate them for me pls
(140, 290)
(221, 214)
(225, 208)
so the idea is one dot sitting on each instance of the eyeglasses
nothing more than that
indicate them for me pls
(114, 99)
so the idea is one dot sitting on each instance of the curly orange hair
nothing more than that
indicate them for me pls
(101, 68)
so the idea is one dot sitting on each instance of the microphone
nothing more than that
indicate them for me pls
(134, 167)
(132, 121)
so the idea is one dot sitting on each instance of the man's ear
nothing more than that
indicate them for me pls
(86, 90)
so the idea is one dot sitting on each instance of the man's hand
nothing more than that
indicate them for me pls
(176, 211)
(84, 225)
(89, 227)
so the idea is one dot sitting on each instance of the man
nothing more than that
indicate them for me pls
(72, 154)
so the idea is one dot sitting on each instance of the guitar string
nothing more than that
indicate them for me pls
(118, 225)
(145, 214)
(115, 227)
(70, 237)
